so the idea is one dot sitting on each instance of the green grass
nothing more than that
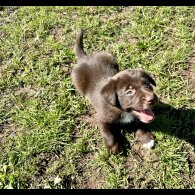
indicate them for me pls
(46, 140)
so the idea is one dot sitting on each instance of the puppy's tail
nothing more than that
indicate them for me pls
(78, 48)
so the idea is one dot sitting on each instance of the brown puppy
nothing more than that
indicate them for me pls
(118, 97)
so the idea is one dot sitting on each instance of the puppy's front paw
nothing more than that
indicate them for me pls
(115, 149)
(149, 144)
(146, 138)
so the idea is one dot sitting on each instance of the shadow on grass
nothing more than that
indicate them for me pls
(179, 123)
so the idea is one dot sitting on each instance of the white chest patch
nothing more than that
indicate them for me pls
(126, 117)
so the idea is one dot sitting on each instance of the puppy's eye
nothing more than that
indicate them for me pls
(147, 84)
(130, 92)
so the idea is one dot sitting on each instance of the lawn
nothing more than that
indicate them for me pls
(47, 139)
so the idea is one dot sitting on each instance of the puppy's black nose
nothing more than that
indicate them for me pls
(149, 100)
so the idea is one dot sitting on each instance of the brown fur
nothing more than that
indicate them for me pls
(98, 78)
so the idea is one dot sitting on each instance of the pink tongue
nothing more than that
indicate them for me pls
(147, 114)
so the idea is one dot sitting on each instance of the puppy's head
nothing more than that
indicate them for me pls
(132, 91)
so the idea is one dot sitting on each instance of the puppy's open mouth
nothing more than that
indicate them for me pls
(145, 115)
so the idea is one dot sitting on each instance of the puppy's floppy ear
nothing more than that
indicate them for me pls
(141, 73)
(149, 78)
(109, 92)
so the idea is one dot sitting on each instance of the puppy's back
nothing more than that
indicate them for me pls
(91, 69)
